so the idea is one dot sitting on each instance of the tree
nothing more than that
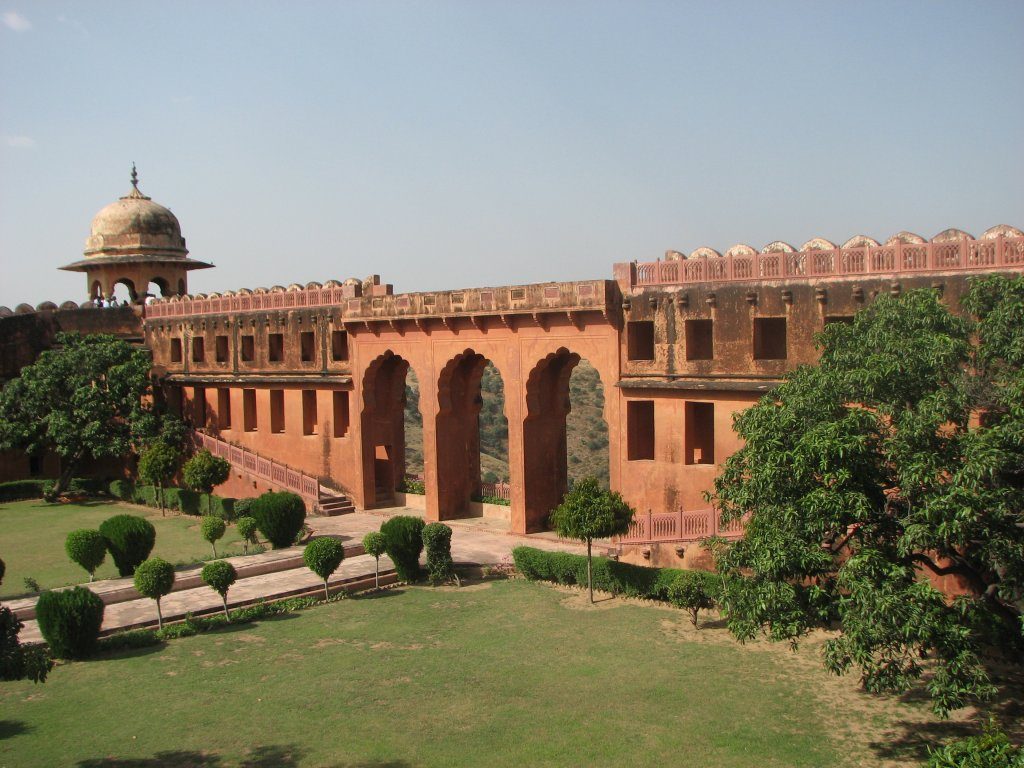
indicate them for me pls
(437, 540)
(323, 556)
(154, 579)
(78, 400)
(204, 471)
(213, 529)
(219, 576)
(247, 530)
(18, 662)
(589, 512)
(897, 459)
(157, 465)
(375, 544)
(692, 591)
(86, 548)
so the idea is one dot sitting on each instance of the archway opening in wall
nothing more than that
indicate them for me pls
(561, 447)
(472, 436)
(157, 288)
(95, 291)
(386, 390)
(124, 291)
(413, 421)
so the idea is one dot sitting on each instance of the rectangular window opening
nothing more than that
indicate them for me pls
(699, 437)
(339, 345)
(307, 341)
(275, 347)
(198, 349)
(640, 430)
(222, 349)
(340, 414)
(248, 348)
(224, 408)
(844, 319)
(277, 411)
(175, 350)
(770, 338)
(249, 409)
(309, 411)
(700, 339)
(199, 406)
(640, 340)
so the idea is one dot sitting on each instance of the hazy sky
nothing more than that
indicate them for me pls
(454, 144)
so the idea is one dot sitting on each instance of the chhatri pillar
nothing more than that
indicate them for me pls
(135, 242)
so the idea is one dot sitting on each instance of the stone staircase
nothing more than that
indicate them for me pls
(332, 503)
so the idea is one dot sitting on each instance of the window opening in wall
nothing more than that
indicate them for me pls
(275, 347)
(640, 428)
(340, 419)
(699, 436)
(277, 411)
(198, 349)
(248, 348)
(224, 408)
(770, 338)
(640, 340)
(175, 350)
(199, 406)
(309, 412)
(339, 345)
(844, 319)
(249, 410)
(307, 341)
(699, 339)
(222, 349)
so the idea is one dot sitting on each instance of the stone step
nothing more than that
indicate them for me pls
(332, 506)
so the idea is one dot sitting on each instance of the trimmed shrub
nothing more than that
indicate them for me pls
(609, 575)
(404, 537)
(70, 621)
(247, 530)
(692, 591)
(279, 517)
(992, 749)
(374, 544)
(90, 486)
(323, 556)
(123, 490)
(16, 490)
(86, 548)
(213, 529)
(220, 506)
(188, 501)
(129, 540)
(437, 540)
(219, 576)
(154, 579)
(203, 472)
(242, 506)
(147, 494)
(172, 498)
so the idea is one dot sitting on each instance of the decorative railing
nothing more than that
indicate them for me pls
(900, 258)
(307, 297)
(294, 480)
(692, 525)
(499, 490)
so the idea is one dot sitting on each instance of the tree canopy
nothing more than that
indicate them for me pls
(894, 466)
(79, 400)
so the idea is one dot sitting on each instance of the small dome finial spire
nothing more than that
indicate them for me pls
(135, 177)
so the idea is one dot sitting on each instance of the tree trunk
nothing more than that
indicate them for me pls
(160, 499)
(376, 574)
(224, 599)
(214, 545)
(159, 616)
(64, 478)
(590, 575)
(327, 595)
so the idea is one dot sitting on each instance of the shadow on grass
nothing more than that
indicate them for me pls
(377, 594)
(170, 759)
(9, 728)
(375, 764)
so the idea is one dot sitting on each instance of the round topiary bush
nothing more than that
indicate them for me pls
(247, 530)
(279, 517)
(129, 540)
(323, 556)
(86, 548)
(219, 576)
(70, 621)
(243, 506)
(404, 536)
(213, 529)
(375, 545)
(693, 591)
(154, 579)
(437, 539)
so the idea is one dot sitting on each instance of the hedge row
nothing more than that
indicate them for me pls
(180, 499)
(17, 490)
(609, 575)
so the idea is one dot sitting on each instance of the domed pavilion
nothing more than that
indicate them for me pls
(135, 242)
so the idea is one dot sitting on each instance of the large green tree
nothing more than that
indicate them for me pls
(868, 479)
(589, 512)
(79, 400)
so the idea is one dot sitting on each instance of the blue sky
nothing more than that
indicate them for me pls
(445, 145)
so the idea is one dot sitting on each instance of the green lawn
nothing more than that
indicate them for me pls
(503, 673)
(32, 537)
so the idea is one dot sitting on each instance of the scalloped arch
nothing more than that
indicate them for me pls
(705, 253)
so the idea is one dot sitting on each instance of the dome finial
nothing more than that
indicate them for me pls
(135, 177)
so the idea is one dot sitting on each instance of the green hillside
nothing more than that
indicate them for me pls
(587, 432)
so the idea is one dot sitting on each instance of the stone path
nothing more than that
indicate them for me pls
(473, 541)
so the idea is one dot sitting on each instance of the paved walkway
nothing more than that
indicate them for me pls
(474, 541)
